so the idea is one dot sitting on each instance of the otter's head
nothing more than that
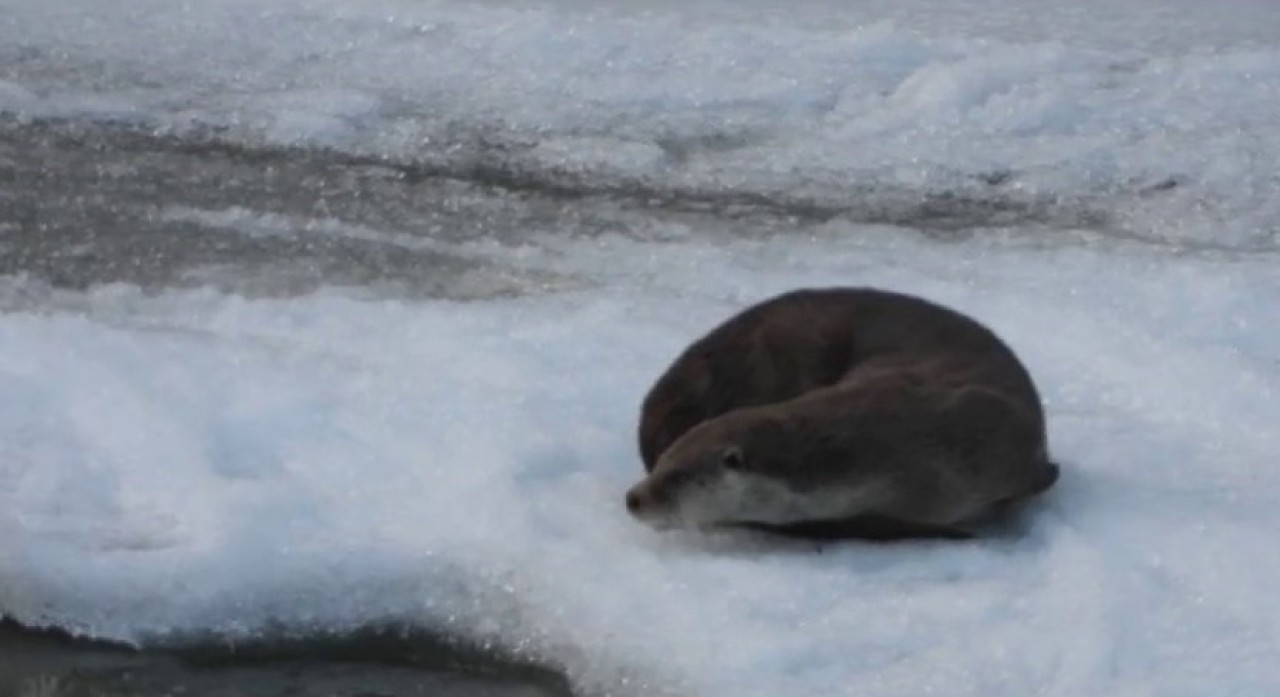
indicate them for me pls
(722, 472)
(676, 403)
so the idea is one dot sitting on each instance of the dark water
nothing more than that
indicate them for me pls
(373, 664)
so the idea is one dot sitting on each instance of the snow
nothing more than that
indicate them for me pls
(191, 463)
(198, 463)
(1156, 116)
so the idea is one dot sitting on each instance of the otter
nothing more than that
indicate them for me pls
(842, 412)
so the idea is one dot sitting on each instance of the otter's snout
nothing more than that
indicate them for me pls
(639, 500)
(633, 502)
(643, 502)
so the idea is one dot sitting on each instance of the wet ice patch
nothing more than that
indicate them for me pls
(1152, 121)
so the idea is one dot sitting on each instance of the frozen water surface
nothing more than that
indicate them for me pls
(1157, 117)
(189, 462)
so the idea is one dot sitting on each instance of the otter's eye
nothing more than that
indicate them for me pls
(732, 458)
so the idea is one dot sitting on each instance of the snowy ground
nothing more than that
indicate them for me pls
(191, 461)
(198, 462)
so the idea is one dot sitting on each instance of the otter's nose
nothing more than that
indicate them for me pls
(633, 501)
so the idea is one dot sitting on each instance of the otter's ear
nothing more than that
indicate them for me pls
(732, 458)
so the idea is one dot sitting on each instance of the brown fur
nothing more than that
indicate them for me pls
(824, 387)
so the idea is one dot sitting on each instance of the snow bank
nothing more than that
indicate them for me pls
(193, 462)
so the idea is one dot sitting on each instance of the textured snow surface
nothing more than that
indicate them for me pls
(194, 462)
(190, 462)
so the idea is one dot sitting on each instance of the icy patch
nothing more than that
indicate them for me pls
(584, 154)
(1155, 119)
(474, 269)
(266, 225)
(316, 116)
(194, 462)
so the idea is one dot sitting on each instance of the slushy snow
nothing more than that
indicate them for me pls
(194, 463)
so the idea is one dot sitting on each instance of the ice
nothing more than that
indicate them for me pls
(591, 153)
(1155, 117)
(197, 463)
